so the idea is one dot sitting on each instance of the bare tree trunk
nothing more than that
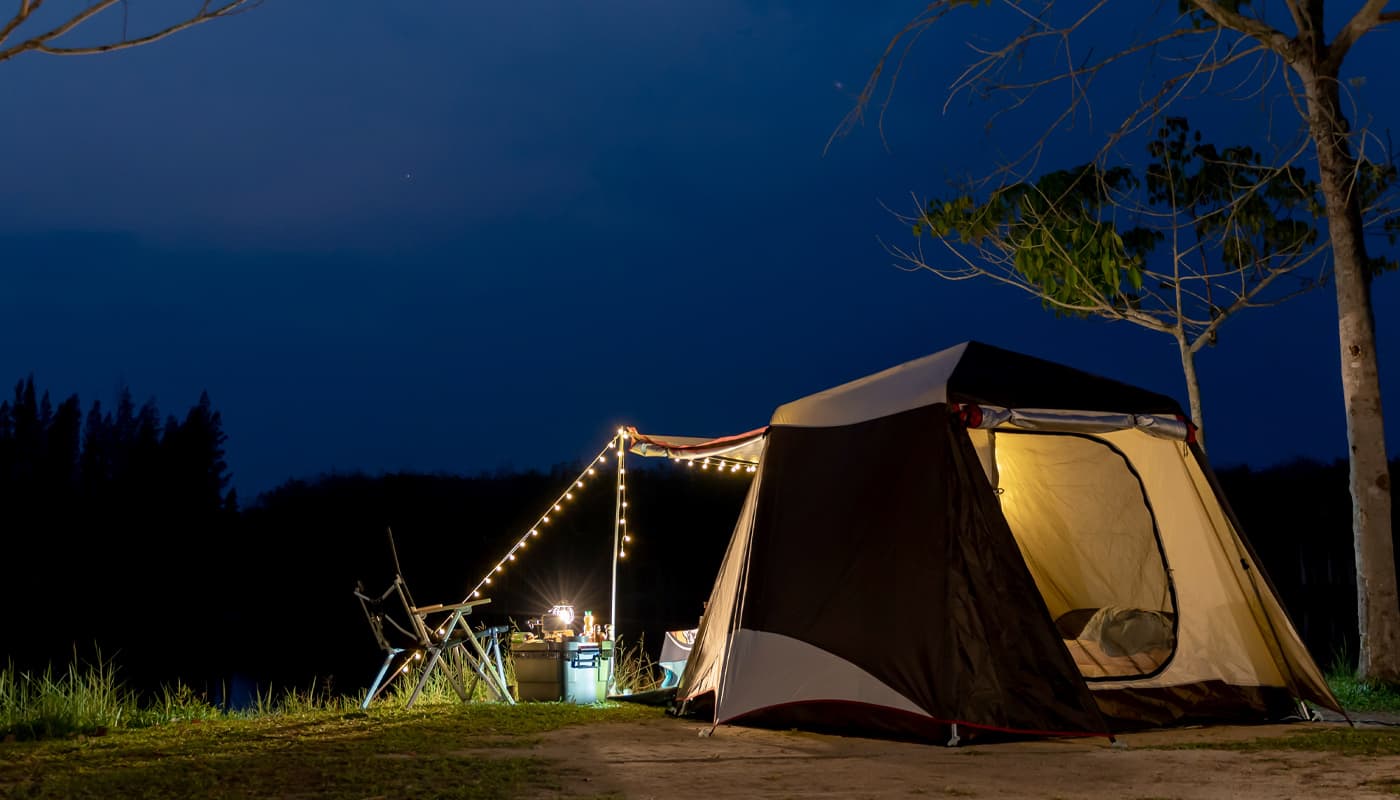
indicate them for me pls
(1193, 387)
(1378, 605)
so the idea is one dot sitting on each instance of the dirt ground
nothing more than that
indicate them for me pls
(669, 758)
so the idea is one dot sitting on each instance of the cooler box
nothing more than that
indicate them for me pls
(581, 661)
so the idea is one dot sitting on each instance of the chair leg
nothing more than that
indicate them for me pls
(379, 683)
(423, 679)
(451, 665)
(501, 670)
(484, 669)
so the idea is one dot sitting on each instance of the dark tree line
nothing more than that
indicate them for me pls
(113, 519)
(55, 460)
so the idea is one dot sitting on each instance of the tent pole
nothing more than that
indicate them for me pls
(621, 441)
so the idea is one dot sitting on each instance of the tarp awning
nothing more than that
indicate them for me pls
(744, 447)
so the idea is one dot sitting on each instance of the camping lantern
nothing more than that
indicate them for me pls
(558, 620)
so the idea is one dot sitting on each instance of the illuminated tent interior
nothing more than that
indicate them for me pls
(983, 541)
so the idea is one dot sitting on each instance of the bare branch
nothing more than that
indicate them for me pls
(44, 42)
(1257, 29)
(1362, 22)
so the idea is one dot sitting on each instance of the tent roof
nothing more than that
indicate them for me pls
(972, 372)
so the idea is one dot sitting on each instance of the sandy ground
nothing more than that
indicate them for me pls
(670, 758)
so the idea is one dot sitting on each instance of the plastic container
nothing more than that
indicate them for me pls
(539, 671)
(580, 663)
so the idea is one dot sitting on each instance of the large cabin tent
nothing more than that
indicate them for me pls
(991, 540)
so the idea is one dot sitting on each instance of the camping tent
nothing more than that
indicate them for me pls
(986, 539)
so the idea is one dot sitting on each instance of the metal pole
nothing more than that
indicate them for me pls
(617, 530)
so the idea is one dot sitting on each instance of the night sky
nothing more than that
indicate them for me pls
(459, 236)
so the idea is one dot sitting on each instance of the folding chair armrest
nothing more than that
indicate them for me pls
(436, 607)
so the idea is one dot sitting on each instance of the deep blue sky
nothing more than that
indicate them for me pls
(457, 235)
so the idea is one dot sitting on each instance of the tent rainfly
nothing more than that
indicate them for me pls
(979, 540)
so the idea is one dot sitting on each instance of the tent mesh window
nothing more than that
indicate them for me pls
(1081, 518)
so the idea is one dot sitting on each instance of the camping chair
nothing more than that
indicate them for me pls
(458, 648)
(414, 639)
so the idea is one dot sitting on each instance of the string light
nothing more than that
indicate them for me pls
(555, 509)
(720, 464)
(621, 535)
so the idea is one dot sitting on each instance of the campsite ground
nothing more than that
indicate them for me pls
(625, 751)
(668, 758)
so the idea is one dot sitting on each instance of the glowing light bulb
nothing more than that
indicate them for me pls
(417, 656)
(512, 556)
(622, 554)
(592, 471)
(690, 462)
(602, 458)
(475, 593)
(441, 631)
(579, 484)
(557, 507)
(622, 470)
(534, 532)
(545, 520)
(405, 669)
(568, 495)
(488, 581)
(624, 503)
(498, 567)
(622, 521)
(626, 538)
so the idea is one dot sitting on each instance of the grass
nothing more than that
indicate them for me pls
(86, 698)
(1337, 741)
(78, 732)
(1358, 695)
(633, 669)
(448, 751)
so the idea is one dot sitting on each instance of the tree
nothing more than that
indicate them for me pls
(38, 28)
(1211, 49)
(1178, 246)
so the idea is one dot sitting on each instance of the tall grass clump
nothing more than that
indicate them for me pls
(1356, 694)
(83, 698)
(87, 697)
(634, 671)
(438, 689)
(294, 701)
